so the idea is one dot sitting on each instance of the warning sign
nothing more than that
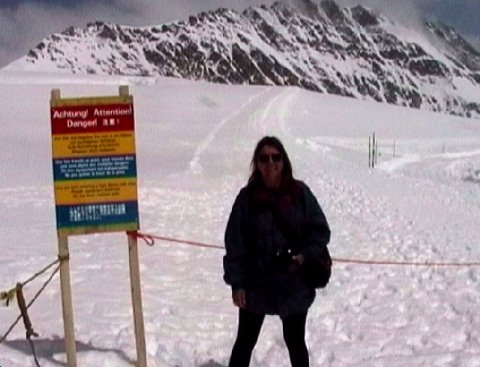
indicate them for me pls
(94, 164)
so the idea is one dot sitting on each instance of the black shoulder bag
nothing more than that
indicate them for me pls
(316, 271)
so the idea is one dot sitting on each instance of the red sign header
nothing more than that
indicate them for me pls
(92, 119)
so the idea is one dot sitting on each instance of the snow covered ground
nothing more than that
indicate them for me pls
(194, 144)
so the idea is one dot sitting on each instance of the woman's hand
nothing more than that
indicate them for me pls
(300, 259)
(239, 298)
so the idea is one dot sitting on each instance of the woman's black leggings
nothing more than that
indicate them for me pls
(249, 326)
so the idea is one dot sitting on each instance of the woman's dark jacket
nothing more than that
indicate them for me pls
(263, 226)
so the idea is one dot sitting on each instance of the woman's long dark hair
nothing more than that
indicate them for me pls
(287, 172)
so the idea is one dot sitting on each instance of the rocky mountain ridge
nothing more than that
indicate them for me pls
(351, 52)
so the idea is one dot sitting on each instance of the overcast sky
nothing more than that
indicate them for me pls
(24, 23)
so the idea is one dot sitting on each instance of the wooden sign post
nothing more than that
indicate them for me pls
(135, 285)
(95, 178)
(68, 320)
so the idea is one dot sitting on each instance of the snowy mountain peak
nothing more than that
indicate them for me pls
(325, 48)
(456, 45)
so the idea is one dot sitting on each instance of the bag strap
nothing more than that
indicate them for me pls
(286, 227)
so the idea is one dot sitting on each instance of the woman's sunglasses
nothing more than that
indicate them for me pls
(275, 158)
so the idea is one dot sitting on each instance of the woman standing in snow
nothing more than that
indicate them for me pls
(275, 226)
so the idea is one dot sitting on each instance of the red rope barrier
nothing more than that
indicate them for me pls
(150, 240)
(405, 263)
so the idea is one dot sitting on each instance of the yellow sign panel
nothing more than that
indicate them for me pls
(91, 145)
(98, 191)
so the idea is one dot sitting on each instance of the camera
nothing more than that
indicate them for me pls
(284, 257)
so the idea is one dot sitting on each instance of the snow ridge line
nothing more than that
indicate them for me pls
(279, 104)
(195, 164)
(150, 240)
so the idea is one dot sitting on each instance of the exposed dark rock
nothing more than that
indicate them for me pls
(427, 67)
(333, 11)
(32, 54)
(108, 33)
(192, 20)
(70, 31)
(154, 57)
(364, 17)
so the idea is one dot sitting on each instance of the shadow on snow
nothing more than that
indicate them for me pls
(48, 348)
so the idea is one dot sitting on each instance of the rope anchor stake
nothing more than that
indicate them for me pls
(23, 310)
(22, 305)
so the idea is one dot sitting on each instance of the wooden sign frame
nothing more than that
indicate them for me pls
(63, 231)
